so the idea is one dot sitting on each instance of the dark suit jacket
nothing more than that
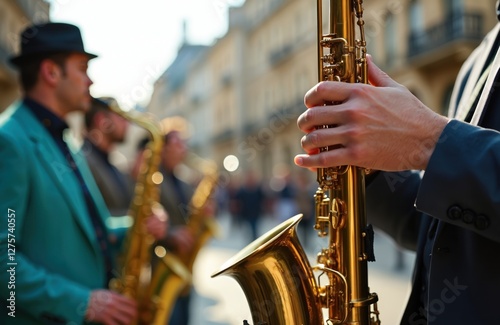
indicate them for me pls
(116, 193)
(175, 200)
(45, 230)
(456, 202)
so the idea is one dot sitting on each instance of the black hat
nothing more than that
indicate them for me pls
(47, 38)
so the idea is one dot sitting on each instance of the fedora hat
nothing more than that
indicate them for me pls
(48, 38)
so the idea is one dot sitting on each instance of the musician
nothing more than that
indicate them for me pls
(176, 195)
(54, 251)
(436, 190)
(105, 130)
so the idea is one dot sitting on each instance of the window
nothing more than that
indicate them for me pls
(390, 39)
(452, 7)
(416, 17)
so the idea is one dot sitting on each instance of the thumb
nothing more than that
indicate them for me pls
(377, 77)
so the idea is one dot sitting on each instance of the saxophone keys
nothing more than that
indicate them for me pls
(337, 213)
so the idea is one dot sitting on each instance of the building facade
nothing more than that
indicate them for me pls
(15, 15)
(243, 94)
(423, 43)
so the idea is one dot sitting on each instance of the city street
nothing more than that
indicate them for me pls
(220, 300)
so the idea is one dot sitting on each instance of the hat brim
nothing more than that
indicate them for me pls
(21, 60)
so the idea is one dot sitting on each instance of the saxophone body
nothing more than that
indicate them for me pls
(135, 277)
(174, 274)
(202, 226)
(280, 285)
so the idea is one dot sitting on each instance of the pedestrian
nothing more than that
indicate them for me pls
(250, 200)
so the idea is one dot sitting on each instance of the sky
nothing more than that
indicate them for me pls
(136, 40)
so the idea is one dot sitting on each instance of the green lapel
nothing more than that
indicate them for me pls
(56, 166)
(81, 161)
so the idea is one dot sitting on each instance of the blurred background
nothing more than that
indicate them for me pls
(238, 71)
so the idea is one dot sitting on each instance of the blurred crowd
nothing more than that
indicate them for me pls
(248, 198)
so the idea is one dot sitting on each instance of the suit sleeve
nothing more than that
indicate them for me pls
(37, 291)
(461, 184)
(390, 198)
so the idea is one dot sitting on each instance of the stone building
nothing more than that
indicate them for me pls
(15, 15)
(243, 94)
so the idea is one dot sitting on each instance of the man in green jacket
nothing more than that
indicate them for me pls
(55, 255)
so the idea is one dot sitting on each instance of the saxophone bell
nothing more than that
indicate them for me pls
(276, 278)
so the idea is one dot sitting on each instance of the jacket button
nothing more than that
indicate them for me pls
(443, 250)
(482, 222)
(468, 216)
(455, 212)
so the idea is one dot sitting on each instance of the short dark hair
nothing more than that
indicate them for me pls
(28, 72)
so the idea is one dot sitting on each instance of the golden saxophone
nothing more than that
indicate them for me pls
(201, 226)
(135, 277)
(273, 271)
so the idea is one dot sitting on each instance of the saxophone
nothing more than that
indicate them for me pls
(134, 277)
(274, 272)
(201, 226)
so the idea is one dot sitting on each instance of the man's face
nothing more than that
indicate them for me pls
(73, 87)
(174, 151)
(117, 127)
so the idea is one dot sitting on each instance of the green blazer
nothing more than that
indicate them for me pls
(49, 256)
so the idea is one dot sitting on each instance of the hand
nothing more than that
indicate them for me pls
(210, 208)
(110, 308)
(182, 239)
(157, 223)
(379, 126)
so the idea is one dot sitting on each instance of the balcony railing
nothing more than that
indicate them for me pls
(280, 54)
(458, 26)
(225, 135)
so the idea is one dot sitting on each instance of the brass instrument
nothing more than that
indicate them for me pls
(201, 226)
(170, 278)
(135, 277)
(274, 271)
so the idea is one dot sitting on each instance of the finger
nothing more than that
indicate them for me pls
(378, 77)
(322, 138)
(298, 161)
(152, 223)
(327, 91)
(124, 316)
(321, 115)
(124, 301)
(186, 240)
(325, 159)
(109, 321)
(124, 311)
(160, 233)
